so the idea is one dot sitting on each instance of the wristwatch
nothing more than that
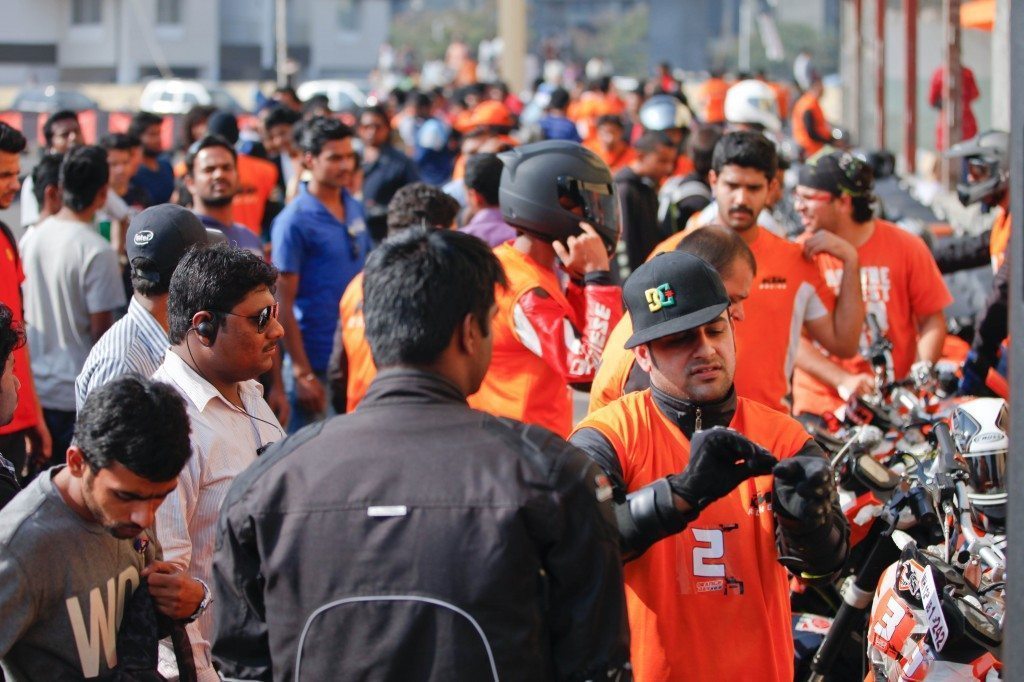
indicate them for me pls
(203, 605)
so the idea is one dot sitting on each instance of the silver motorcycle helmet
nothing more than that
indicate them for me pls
(988, 164)
(980, 429)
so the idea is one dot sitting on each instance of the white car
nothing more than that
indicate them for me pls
(341, 95)
(178, 96)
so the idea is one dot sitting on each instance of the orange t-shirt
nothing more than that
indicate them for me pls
(519, 383)
(616, 362)
(11, 277)
(788, 289)
(901, 284)
(615, 161)
(257, 179)
(361, 368)
(691, 595)
(808, 102)
(1000, 239)
(684, 165)
(711, 95)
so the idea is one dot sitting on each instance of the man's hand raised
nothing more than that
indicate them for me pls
(720, 459)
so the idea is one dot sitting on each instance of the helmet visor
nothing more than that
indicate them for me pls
(593, 202)
(988, 472)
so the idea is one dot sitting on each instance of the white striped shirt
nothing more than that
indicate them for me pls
(135, 344)
(224, 442)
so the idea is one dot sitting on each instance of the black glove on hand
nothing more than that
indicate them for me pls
(720, 459)
(802, 492)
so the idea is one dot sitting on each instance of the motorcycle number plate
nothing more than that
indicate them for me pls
(933, 610)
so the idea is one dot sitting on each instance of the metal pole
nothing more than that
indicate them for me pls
(952, 108)
(880, 73)
(858, 79)
(746, 30)
(512, 30)
(281, 38)
(910, 88)
(1013, 634)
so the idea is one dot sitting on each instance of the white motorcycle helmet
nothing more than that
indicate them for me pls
(753, 102)
(979, 429)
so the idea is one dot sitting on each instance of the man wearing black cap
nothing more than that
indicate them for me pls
(699, 513)
(903, 290)
(136, 344)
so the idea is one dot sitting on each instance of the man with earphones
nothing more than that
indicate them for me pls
(223, 329)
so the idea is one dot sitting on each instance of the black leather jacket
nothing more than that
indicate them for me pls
(417, 539)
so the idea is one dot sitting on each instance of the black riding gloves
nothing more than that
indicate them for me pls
(720, 459)
(802, 492)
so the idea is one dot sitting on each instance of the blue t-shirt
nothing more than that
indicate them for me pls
(237, 235)
(559, 128)
(159, 184)
(306, 239)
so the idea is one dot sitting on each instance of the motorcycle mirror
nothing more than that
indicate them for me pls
(874, 475)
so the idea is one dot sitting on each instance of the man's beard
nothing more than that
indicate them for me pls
(151, 153)
(121, 531)
(218, 202)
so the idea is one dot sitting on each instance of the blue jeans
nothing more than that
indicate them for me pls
(301, 416)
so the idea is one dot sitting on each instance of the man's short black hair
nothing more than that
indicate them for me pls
(610, 119)
(46, 174)
(701, 146)
(318, 131)
(720, 247)
(746, 149)
(418, 288)
(119, 141)
(559, 99)
(213, 278)
(375, 110)
(138, 423)
(11, 139)
(83, 174)
(483, 174)
(206, 142)
(143, 121)
(651, 140)
(280, 115)
(317, 101)
(12, 334)
(55, 118)
(418, 203)
(287, 90)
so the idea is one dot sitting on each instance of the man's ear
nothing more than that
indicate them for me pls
(468, 335)
(77, 465)
(190, 183)
(642, 353)
(712, 177)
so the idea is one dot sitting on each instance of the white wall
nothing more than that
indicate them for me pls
(335, 51)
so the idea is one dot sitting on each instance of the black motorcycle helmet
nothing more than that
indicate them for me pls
(548, 188)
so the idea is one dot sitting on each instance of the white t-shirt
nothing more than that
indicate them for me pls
(70, 273)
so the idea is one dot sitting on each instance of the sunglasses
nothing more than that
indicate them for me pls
(262, 318)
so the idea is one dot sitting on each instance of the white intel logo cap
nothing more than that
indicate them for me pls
(143, 237)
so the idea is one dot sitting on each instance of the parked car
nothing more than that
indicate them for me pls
(178, 96)
(342, 95)
(49, 98)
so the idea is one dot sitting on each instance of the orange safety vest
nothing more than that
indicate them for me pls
(361, 368)
(718, 582)
(519, 383)
(1000, 239)
(615, 162)
(808, 102)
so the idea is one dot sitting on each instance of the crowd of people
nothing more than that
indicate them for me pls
(296, 402)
